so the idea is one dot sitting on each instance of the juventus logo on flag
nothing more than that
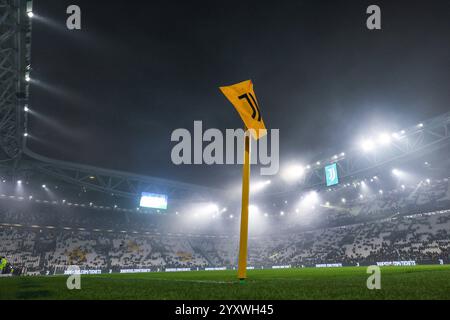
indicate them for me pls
(243, 98)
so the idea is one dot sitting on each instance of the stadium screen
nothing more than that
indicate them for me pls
(153, 200)
(331, 175)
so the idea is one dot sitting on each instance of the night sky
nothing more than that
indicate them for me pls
(111, 94)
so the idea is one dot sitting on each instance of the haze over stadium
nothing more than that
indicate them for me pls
(87, 179)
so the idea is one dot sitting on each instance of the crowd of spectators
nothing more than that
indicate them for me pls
(44, 238)
(424, 238)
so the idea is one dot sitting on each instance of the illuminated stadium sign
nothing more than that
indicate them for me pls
(331, 175)
(153, 200)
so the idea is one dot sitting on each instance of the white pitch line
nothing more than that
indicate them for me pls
(196, 281)
(287, 279)
(207, 281)
(174, 280)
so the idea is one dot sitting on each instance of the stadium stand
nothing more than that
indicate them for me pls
(405, 223)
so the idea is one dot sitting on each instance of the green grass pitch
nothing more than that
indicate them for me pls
(419, 282)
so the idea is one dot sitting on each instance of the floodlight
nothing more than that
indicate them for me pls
(384, 139)
(213, 207)
(367, 145)
(259, 185)
(293, 172)
(309, 199)
(252, 209)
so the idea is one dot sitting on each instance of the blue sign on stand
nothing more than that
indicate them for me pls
(331, 175)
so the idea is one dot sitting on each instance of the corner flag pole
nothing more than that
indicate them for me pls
(242, 266)
(243, 98)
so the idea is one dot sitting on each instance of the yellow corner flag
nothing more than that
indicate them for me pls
(243, 98)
